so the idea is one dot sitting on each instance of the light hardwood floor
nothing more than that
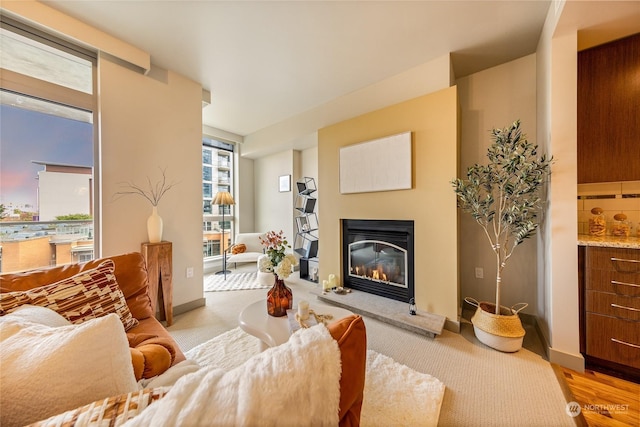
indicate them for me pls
(604, 400)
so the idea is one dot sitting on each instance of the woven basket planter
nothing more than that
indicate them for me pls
(504, 331)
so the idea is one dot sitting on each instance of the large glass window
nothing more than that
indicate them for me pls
(46, 150)
(217, 175)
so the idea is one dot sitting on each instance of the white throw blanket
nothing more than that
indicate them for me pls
(294, 384)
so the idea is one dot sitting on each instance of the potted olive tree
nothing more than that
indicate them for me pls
(504, 199)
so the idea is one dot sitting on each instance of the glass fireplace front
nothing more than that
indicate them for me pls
(378, 257)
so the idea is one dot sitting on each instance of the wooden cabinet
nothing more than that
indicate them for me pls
(608, 111)
(610, 312)
(158, 257)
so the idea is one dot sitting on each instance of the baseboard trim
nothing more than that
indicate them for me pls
(574, 362)
(183, 308)
(452, 325)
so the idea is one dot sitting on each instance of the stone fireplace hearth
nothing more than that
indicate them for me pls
(386, 310)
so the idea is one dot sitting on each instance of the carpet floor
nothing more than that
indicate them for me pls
(385, 378)
(483, 387)
(232, 282)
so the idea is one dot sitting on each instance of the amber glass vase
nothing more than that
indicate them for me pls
(279, 298)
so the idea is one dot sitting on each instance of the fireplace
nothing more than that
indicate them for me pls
(377, 257)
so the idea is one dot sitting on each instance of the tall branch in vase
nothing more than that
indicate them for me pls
(153, 192)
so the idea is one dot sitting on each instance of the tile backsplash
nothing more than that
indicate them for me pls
(613, 198)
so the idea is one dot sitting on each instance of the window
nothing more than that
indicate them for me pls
(46, 150)
(217, 175)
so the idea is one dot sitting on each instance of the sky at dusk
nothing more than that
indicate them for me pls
(27, 136)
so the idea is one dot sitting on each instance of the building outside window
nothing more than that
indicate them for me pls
(47, 147)
(217, 175)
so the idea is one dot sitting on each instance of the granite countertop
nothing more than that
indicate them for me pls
(609, 241)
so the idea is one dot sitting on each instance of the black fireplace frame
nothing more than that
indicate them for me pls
(393, 230)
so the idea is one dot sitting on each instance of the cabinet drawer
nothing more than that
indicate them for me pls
(614, 282)
(613, 339)
(614, 259)
(613, 305)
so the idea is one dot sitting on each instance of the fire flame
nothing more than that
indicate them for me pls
(377, 273)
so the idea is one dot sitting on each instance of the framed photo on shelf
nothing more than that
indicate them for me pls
(284, 183)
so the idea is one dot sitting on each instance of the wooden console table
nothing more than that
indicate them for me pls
(158, 257)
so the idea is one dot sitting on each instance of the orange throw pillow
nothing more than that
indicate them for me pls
(239, 248)
(351, 335)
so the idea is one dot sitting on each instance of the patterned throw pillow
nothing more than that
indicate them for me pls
(87, 295)
(114, 411)
(239, 248)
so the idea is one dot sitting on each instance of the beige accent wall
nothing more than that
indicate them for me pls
(431, 203)
(148, 123)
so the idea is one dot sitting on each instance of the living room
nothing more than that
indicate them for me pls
(154, 119)
(162, 113)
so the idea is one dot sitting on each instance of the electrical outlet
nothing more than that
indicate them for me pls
(479, 273)
(189, 272)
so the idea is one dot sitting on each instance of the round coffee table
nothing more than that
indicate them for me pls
(273, 331)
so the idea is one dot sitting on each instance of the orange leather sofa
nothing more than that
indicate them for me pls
(131, 275)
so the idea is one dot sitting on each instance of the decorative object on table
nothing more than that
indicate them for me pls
(153, 193)
(223, 198)
(279, 297)
(296, 321)
(303, 310)
(412, 307)
(503, 197)
(597, 222)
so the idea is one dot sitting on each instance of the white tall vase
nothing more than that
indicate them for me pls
(154, 226)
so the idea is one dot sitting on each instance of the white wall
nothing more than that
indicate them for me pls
(557, 127)
(149, 123)
(245, 209)
(274, 209)
(495, 98)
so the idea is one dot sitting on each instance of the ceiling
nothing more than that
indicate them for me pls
(266, 61)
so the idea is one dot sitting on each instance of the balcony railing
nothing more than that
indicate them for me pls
(20, 230)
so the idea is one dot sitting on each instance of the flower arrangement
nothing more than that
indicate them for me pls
(277, 261)
(153, 193)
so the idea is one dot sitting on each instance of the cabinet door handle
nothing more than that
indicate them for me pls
(625, 343)
(615, 283)
(624, 307)
(632, 266)
(625, 260)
